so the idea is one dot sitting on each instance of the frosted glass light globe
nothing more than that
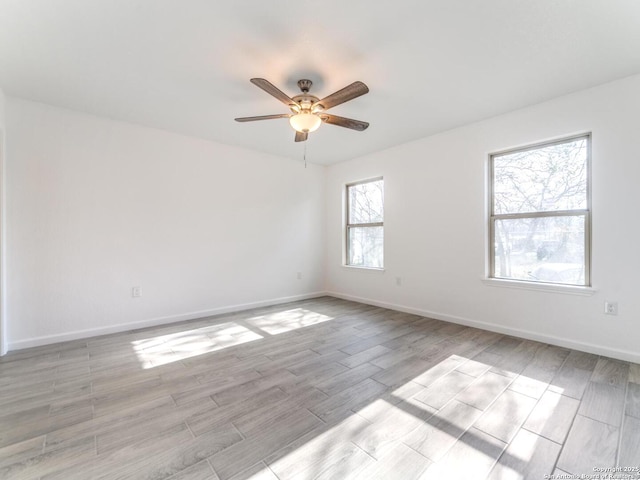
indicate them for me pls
(305, 122)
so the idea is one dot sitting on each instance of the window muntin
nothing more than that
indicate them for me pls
(365, 224)
(540, 213)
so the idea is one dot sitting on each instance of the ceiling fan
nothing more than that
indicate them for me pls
(307, 111)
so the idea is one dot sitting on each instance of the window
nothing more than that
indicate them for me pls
(540, 213)
(365, 214)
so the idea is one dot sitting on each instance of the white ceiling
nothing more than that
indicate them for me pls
(431, 65)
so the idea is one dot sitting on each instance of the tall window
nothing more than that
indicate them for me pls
(365, 216)
(540, 213)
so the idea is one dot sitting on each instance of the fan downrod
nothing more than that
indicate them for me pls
(305, 85)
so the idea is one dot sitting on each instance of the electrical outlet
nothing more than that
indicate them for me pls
(299, 276)
(136, 292)
(610, 308)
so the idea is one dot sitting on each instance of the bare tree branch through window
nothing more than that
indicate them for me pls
(365, 217)
(540, 215)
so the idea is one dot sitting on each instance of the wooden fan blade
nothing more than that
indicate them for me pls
(301, 137)
(262, 117)
(344, 122)
(272, 90)
(347, 93)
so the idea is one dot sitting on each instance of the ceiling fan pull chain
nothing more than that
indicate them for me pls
(305, 154)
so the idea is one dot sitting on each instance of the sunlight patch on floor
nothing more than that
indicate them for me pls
(173, 347)
(182, 344)
(288, 320)
(518, 401)
(329, 454)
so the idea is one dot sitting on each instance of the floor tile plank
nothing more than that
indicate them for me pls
(528, 457)
(348, 399)
(603, 402)
(389, 428)
(611, 372)
(505, 416)
(444, 389)
(259, 471)
(472, 456)
(364, 356)
(400, 463)
(485, 390)
(200, 471)
(590, 443)
(570, 381)
(234, 459)
(630, 442)
(248, 389)
(633, 400)
(433, 438)
(553, 416)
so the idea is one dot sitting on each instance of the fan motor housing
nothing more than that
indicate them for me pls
(305, 98)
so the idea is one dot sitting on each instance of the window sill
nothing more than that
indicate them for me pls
(540, 287)
(363, 269)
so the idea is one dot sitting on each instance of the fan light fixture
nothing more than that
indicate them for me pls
(305, 122)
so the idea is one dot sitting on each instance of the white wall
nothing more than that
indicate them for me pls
(2, 102)
(436, 225)
(3, 343)
(95, 207)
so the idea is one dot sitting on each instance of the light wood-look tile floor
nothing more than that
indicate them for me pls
(323, 388)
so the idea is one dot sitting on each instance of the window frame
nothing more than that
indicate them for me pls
(585, 213)
(349, 226)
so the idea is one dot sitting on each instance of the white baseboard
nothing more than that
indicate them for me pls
(625, 355)
(153, 322)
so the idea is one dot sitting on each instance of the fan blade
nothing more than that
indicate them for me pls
(344, 122)
(301, 137)
(347, 93)
(262, 117)
(272, 90)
